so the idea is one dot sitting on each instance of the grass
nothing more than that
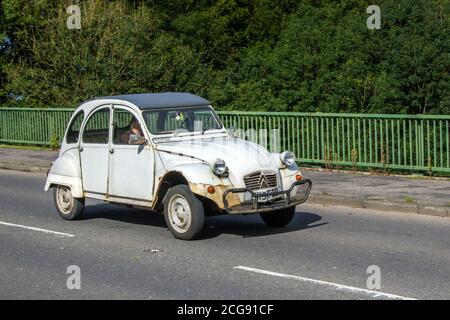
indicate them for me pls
(379, 172)
(409, 199)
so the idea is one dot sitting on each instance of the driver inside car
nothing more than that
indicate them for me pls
(135, 128)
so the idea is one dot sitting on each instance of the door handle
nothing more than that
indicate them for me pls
(111, 150)
(81, 149)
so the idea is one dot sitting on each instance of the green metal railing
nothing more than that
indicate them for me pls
(399, 142)
(33, 126)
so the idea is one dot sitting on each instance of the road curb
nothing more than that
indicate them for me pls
(379, 205)
(440, 211)
(329, 200)
(24, 167)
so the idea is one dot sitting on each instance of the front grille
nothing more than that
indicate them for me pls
(261, 180)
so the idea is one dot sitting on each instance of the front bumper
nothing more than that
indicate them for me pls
(253, 206)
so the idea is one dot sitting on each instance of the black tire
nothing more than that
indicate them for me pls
(184, 213)
(68, 207)
(278, 218)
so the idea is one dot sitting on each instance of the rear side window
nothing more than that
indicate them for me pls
(97, 127)
(74, 129)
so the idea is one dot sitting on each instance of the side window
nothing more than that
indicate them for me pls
(97, 127)
(74, 128)
(125, 124)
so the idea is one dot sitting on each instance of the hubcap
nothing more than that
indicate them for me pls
(64, 199)
(179, 213)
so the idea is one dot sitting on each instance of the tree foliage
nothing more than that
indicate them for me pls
(288, 55)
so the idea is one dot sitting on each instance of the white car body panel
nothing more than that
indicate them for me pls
(242, 157)
(94, 168)
(131, 178)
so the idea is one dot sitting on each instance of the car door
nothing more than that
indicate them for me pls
(94, 151)
(131, 166)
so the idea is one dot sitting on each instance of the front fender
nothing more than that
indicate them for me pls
(199, 177)
(199, 173)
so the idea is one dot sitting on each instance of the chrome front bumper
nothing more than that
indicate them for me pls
(254, 206)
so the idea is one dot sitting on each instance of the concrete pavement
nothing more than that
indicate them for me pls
(26, 160)
(416, 195)
(377, 192)
(324, 253)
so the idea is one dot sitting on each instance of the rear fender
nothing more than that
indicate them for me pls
(66, 171)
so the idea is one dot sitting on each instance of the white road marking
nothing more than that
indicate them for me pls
(372, 293)
(37, 229)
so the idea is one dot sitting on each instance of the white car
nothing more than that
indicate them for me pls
(169, 152)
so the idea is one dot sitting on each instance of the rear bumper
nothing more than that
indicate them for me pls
(253, 206)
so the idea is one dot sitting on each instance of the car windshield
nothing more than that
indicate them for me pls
(179, 120)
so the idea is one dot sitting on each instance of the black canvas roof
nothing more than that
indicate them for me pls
(161, 100)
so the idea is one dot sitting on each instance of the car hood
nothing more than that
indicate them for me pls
(241, 157)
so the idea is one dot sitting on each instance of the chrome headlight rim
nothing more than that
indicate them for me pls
(219, 167)
(287, 158)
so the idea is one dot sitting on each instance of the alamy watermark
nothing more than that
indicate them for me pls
(73, 22)
(74, 19)
(74, 280)
(374, 20)
(374, 280)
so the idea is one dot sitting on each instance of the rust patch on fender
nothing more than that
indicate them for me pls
(201, 189)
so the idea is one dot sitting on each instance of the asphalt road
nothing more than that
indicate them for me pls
(129, 254)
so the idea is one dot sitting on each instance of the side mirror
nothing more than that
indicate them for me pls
(137, 139)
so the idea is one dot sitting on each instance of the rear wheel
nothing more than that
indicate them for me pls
(278, 218)
(68, 207)
(184, 213)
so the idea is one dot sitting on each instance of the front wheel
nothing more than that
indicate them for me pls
(68, 207)
(183, 212)
(278, 218)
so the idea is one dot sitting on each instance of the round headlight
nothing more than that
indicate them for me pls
(288, 158)
(219, 167)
